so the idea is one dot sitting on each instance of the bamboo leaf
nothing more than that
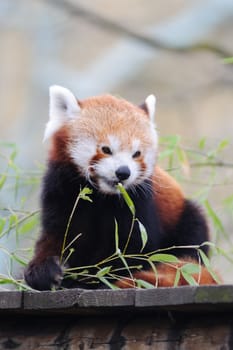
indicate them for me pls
(202, 143)
(189, 278)
(127, 198)
(214, 217)
(190, 268)
(204, 258)
(164, 258)
(177, 278)
(107, 283)
(143, 284)
(215, 276)
(104, 271)
(2, 181)
(13, 219)
(228, 60)
(85, 193)
(206, 262)
(19, 260)
(2, 224)
(166, 153)
(28, 225)
(143, 234)
(222, 145)
(183, 159)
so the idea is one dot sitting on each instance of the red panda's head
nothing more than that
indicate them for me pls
(109, 139)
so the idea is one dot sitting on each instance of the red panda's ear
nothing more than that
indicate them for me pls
(149, 106)
(62, 107)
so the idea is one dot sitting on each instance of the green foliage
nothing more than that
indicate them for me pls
(84, 194)
(18, 221)
(228, 60)
(203, 166)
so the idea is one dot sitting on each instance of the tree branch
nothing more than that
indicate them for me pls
(211, 164)
(97, 19)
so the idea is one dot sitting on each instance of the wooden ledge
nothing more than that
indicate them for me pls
(80, 301)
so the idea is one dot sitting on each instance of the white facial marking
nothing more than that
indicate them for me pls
(151, 107)
(106, 171)
(82, 152)
(114, 143)
(63, 107)
(135, 146)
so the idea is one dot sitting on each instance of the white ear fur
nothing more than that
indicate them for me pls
(150, 103)
(62, 107)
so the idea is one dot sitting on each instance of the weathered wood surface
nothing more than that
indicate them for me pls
(167, 318)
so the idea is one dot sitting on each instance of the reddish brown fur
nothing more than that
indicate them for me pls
(95, 118)
(142, 164)
(48, 244)
(95, 121)
(97, 157)
(165, 276)
(169, 197)
(58, 149)
(107, 115)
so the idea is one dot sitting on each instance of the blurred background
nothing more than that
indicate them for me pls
(130, 48)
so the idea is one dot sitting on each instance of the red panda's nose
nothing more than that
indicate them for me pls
(123, 172)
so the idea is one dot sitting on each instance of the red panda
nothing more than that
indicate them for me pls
(100, 142)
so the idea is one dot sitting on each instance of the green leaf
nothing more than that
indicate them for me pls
(171, 140)
(215, 219)
(13, 219)
(104, 271)
(177, 277)
(19, 260)
(144, 284)
(206, 262)
(107, 283)
(202, 143)
(208, 244)
(183, 159)
(2, 181)
(13, 155)
(228, 60)
(125, 264)
(215, 276)
(28, 225)
(164, 258)
(2, 224)
(189, 278)
(166, 153)
(204, 258)
(228, 256)
(6, 281)
(191, 268)
(127, 198)
(143, 234)
(222, 145)
(228, 202)
(181, 155)
(85, 193)
(116, 236)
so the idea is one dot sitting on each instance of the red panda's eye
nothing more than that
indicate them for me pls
(106, 150)
(136, 154)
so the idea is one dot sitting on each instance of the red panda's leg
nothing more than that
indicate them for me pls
(165, 277)
(44, 270)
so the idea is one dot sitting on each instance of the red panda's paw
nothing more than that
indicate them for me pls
(166, 277)
(44, 275)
